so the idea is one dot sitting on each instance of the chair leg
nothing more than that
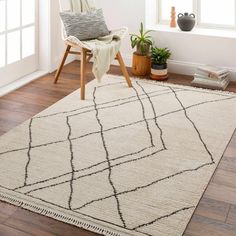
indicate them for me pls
(124, 69)
(83, 62)
(62, 64)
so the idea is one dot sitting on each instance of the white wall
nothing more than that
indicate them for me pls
(188, 50)
(124, 13)
(55, 46)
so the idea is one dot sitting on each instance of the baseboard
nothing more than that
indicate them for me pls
(179, 67)
(31, 77)
(21, 82)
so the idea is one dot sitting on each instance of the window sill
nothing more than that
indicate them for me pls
(223, 33)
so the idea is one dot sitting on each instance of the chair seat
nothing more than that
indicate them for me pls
(76, 43)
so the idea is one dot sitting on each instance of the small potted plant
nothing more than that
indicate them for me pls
(159, 57)
(141, 57)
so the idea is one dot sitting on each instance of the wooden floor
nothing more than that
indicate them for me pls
(215, 215)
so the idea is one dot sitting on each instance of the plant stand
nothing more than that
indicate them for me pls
(141, 65)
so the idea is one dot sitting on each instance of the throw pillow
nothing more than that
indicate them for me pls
(86, 25)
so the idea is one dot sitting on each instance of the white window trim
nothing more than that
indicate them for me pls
(197, 11)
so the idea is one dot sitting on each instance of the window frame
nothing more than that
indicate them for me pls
(20, 28)
(197, 11)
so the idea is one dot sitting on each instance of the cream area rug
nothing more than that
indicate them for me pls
(127, 161)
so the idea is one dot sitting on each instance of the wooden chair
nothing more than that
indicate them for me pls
(85, 56)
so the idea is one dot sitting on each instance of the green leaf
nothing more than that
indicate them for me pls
(147, 32)
(160, 55)
(142, 41)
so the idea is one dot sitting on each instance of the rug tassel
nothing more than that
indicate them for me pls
(57, 216)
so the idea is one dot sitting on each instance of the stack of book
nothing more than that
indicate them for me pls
(211, 77)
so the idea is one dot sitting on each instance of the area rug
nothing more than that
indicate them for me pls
(127, 161)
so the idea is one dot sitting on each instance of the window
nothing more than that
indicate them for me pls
(209, 13)
(17, 26)
(18, 38)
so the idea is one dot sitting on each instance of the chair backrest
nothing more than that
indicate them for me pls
(76, 6)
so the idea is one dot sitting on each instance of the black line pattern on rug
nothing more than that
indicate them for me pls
(117, 127)
(36, 146)
(28, 152)
(71, 162)
(116, 105)
(99, 171)
(147, 82)
(147, 185)
(108, 160)
(155, 115)
(163, 217)
(99, 104)
(81, 108)
(83, 169)
(93, 166)
(99, 163)
(194, 126)
(118, 157)
(144, 115)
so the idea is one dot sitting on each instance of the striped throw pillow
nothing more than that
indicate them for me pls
(86, 25)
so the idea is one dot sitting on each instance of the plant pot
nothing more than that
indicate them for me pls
(141, 65)
(146, 50)
(159, 72)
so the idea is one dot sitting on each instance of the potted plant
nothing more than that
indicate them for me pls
(142, 42)
(141, 57)
(159, 57)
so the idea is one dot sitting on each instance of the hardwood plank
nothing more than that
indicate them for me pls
(213, 209)
(20, 107)
(8, 231)
(39, 225)
(233, 140)
(231, 151)
(14, 115)
(221, 193)
(228, 164)
(6, 210)
(6, 125)
(226, 178)
(231, 219)
(202, 226)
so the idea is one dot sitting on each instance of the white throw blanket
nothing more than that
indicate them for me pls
(104, 49)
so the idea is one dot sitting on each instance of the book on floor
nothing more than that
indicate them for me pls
(210, 75)
(211, 84)
(213, 70)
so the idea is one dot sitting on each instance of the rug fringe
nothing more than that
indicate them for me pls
(56, 216)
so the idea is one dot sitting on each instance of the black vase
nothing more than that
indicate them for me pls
(186, 21)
